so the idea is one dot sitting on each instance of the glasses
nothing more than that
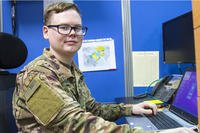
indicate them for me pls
(66, 29)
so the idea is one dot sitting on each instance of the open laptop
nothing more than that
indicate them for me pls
(183, 109)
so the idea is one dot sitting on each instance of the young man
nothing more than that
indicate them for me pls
(51, 95)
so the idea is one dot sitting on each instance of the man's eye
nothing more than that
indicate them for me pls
(78, 28)
(64, 27)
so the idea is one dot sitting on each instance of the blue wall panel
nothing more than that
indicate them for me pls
(103, 19)
(147, 18)
(28, 26)
(6, 15)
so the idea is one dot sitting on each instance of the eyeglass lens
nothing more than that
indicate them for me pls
(66, 29)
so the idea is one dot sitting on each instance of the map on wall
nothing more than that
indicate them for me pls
(98, 54)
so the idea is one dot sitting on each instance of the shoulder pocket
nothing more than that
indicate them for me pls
(43, 102)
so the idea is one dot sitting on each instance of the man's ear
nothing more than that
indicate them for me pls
(45, 32)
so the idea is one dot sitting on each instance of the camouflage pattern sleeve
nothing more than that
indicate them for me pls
(110, 112)
(51, 107)
(49, 99)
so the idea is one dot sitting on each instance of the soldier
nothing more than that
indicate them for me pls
(51, 95)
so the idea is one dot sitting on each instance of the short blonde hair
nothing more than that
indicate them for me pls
(57, 8)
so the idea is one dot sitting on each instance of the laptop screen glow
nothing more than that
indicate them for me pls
(186, 96)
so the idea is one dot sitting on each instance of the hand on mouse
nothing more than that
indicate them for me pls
(144, 108)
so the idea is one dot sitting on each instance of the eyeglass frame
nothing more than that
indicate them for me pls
(71, 27)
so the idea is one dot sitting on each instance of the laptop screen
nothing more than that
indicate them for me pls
(186, 96)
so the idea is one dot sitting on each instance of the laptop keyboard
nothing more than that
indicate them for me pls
(162, 121)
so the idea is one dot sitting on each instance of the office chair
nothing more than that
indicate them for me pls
(13, 53)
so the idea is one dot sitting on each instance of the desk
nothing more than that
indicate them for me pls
(133, 100)
(141, 121)
(128, 100)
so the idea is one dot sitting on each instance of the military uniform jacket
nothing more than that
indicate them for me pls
(51, 97)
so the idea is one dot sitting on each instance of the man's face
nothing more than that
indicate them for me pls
(63, 45)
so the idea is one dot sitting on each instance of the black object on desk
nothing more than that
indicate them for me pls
(132, 100)
(136, 100)
(164, 90)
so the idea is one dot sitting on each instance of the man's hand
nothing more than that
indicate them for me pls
(150, 108)
(144, 108)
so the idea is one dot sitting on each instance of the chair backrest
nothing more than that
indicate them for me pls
(7, 122)
(13, 53)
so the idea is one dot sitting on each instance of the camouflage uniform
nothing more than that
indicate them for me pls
(52, 97)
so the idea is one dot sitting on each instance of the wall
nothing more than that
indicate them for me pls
(28, 26)
(1, 16)
(147, 19)
(103, 18)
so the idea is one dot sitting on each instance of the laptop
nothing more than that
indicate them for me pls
(183, 109)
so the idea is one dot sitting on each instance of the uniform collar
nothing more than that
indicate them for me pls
(49, 55)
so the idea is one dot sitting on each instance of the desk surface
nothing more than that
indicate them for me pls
(133, 100)
(138, 121)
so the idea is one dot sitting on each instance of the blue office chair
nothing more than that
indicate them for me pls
(13, 53)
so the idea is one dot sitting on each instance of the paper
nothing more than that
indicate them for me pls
(97, 55)
(155, 101)
(145, 68)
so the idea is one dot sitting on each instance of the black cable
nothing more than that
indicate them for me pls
(193, 65)
(179, 68)
(13, 16)
(146, 90)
